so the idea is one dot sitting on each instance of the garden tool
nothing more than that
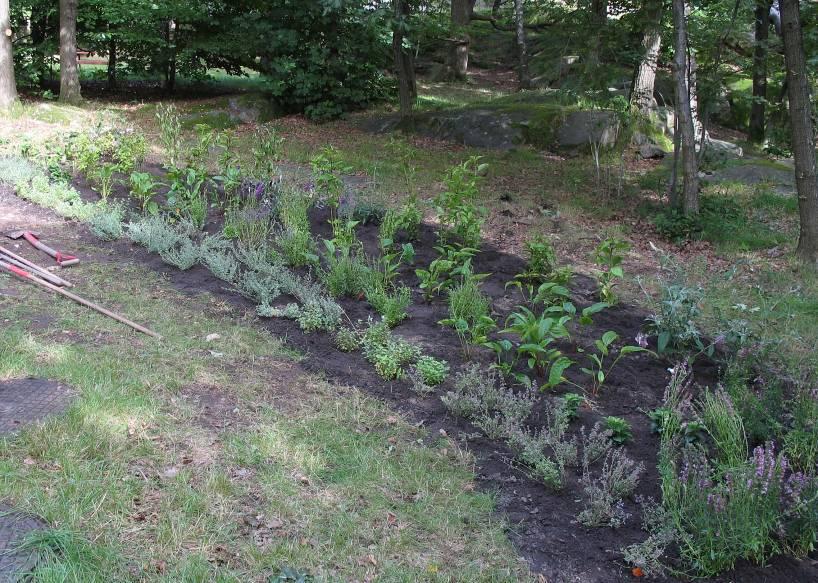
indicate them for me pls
(62, 259)
(22, 262)
(26, 276)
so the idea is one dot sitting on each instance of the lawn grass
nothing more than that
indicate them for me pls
(308, 476)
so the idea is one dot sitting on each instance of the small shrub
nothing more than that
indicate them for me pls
(153, 233)
(183, 256)
(106, 224)
(347, 340)
(432, 371)
(603, 495)
(222, 264)
(388, 354)
(674, 322)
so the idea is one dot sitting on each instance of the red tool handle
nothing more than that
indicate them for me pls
(62, 260)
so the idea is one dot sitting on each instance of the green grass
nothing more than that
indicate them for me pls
(135, 487)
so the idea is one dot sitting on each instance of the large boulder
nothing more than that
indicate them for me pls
(583, 128)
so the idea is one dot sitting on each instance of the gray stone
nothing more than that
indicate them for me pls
(651, 151)
(478, 128)
(582, 128)
(16, 564)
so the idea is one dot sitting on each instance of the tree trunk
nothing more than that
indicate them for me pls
(757, 128)
(112, 64)
(684, 115)
(69, 68)
(645, 75)
(803, 133)
(522, 46)
(459, 50)
(404, 60)
(599, 20)
(8, 87)
(169, 84)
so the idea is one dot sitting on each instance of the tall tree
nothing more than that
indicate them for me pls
(404, 61)
(69, 68)
(803, 132)
(460, 41)
(522, 46)
(644, 77)
(8, 87)
(684, 115)
(757, 126)
(598, 23)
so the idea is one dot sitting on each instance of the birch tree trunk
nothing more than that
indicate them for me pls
(644, 77)
(684, 115)
(8, 87)
(803, 132)
(69, 68)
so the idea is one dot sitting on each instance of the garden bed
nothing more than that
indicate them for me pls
(542, 521)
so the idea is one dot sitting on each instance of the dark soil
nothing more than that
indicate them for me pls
(542, 522)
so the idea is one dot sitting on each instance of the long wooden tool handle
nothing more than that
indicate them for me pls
(53, 278)
(46, 276)
(41, 282)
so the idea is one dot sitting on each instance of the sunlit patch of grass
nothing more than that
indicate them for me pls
(133, 485)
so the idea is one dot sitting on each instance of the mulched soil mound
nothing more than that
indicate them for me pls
(27, 401)
(542, 522)
(14, 527)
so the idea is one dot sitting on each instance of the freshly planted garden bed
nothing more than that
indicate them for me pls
(552, 383)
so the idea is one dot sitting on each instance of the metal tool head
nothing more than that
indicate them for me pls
(20, 234)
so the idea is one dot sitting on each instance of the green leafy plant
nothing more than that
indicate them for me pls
(170, 132)
(347, 339)
(536, 335)
(469, 313)
(598, 371)
(674, 321)
(621, 432)
(267, 144)
(458, 213)
(542, 263)
(143, 188)
(104, 177)
(431, 370)
(609, 256)
(327, 171)
(388, 354)
(451, 262)
(572, 403)
(187, 197)
(130, 151)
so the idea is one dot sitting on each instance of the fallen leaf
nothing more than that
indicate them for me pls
(212, 337)
(638, 572)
